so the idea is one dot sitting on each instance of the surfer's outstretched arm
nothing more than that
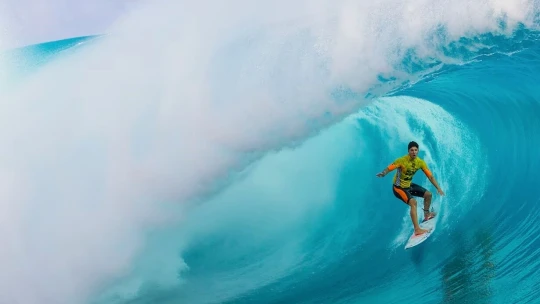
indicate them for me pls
(429, 175)
(386, 170)
(434, 182)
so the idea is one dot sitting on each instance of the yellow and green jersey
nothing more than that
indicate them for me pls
(406, 168)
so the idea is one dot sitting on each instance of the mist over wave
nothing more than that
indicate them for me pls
(106, 145)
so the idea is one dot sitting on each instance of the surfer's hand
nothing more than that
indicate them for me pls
(381, 174)
(440, 192)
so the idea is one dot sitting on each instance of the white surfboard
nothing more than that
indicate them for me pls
(418, 239)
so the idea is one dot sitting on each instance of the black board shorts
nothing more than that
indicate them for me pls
(405, 194)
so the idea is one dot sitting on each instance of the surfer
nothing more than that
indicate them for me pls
(403, 187)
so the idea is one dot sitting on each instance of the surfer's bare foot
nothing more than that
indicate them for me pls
(420, 231)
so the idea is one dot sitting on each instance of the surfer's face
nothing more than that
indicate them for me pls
(413, 151)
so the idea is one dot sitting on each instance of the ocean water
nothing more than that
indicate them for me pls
(228, 155)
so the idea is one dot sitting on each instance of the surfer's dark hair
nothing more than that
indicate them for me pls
(412, 144)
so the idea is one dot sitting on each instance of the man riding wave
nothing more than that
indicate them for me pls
(405, 190)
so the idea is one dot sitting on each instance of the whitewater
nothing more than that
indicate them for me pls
(226, 152)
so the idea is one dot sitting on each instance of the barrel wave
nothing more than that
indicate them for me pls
(239, 166)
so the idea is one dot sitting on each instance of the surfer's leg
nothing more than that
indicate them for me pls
(427, 201)
(420, 191)
(414, 217)
(405, 196)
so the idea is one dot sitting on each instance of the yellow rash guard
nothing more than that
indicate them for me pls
(406, 169)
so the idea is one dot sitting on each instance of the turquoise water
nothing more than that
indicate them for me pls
(282, 207)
